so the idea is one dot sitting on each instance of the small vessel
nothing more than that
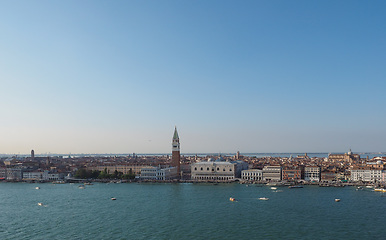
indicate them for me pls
(40, 204)
(113, 198)
(37, 188)
(264, 198)
(324, 185)
(359, 188)
(273, 188)
(337, 200)
(81, 186)
(379, 190)
(295, 186)
(59, 182)
(232, 199)
(369, 186)
(88, 183)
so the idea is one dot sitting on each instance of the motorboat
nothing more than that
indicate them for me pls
(273, 188)
(113, 198)
(40, 204)
(264, 198)
(379, 190)
(232, 199)
(37, 188)
(81, 187)
(295, 186)
(337, 200)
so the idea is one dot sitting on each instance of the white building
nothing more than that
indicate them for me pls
(272, 173)
(367, 174)
(3, 173)
(383, 176)
(217, 170)
(33, 175)
(252, 174)
(14, 174)
(157, 173)
(312, 173)
(42, 175)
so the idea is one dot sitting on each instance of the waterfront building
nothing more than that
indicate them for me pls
(176, 157)
(312, 173)
(292, 174)
(383, 176)
(367, 174)
(252, 174)
(3, 173)
(328, 176)
(217, 170)
(272, 173)
(41, 175)
(157, 173)
(14, 174)
(149, 173)
(27, 176)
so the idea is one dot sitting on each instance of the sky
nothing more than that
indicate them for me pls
(250, 76)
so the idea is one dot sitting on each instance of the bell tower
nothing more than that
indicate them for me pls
(176, 151)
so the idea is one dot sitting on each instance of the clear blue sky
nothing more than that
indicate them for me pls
(248, 76)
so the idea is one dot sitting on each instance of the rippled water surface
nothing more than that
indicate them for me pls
(188, 211)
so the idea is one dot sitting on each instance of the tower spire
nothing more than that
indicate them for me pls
(175, 135)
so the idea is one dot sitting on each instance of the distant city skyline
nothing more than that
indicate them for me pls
(251, 76)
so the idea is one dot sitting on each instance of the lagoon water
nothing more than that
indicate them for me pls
(188, 211)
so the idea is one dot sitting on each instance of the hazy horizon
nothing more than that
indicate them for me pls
(250, 76)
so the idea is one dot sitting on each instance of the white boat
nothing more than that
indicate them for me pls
(232, 199)
(81, 186)
(337, 200)
(369, 186)
(37, 188)
(40, 204)
(273, 188)
(113, 198)
(263, 198)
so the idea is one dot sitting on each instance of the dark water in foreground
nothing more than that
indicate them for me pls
(188, 211)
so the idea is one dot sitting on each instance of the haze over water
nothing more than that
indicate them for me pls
(188, 211)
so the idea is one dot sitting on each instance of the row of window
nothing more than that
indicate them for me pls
(213, 178)
(207, 169)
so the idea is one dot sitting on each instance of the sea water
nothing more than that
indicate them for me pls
(188, 211)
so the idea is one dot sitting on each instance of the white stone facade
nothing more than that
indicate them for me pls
(312, 173)
(157, 173)
(367, 175)
(218, 170)
(252, 174)
(272, 173)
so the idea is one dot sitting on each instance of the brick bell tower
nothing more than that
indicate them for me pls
(176, 151)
